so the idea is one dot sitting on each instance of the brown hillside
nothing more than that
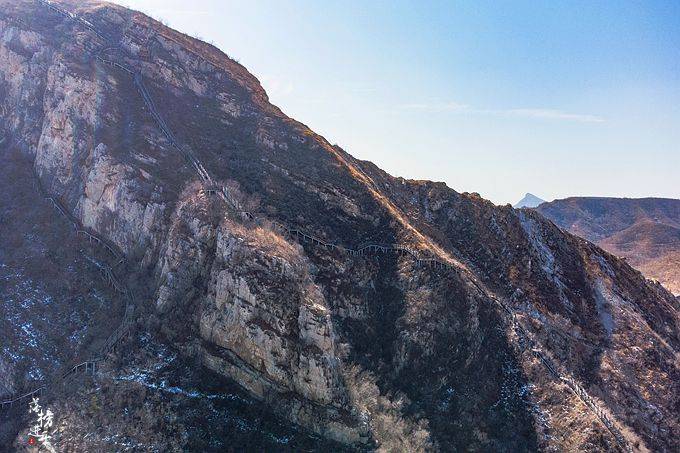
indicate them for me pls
(644, 231)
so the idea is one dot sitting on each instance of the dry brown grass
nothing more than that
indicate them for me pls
(264, 238)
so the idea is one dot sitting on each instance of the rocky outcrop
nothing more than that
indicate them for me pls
(184, 259)
(260, 317)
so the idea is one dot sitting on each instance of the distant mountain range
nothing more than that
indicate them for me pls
(529, 201)
(645, 231)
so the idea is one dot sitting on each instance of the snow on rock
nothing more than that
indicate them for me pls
(545, 255)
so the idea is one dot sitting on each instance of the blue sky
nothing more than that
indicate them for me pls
(501, 98)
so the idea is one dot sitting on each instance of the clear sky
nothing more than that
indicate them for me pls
(497, 97)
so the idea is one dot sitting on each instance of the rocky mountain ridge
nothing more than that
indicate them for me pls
(333, 341)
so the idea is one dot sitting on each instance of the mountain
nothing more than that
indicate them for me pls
(645, 231)
(185, 268)
(529, 201)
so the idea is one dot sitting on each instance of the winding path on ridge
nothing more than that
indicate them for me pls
(88, 366)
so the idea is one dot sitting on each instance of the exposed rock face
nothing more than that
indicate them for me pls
(265, 322)
(645, 231)
(373, 350)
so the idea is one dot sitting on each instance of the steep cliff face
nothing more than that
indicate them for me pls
(438, 341)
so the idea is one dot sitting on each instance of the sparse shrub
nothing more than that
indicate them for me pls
(384, 416)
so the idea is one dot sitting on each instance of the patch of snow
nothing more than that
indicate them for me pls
(101, 302)
(36, 374)
(30, 334)
(281, 440)
(446, 400)
(604, 300)
(493, 224)
(11, 354)
(604, 265)
(546, 257)
(142, 377)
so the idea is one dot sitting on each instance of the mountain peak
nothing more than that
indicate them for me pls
(529, 201)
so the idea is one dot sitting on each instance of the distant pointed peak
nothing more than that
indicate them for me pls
(529, 201)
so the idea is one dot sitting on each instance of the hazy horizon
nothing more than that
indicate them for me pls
(497, 98)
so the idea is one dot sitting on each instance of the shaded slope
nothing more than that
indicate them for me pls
(55, 305)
